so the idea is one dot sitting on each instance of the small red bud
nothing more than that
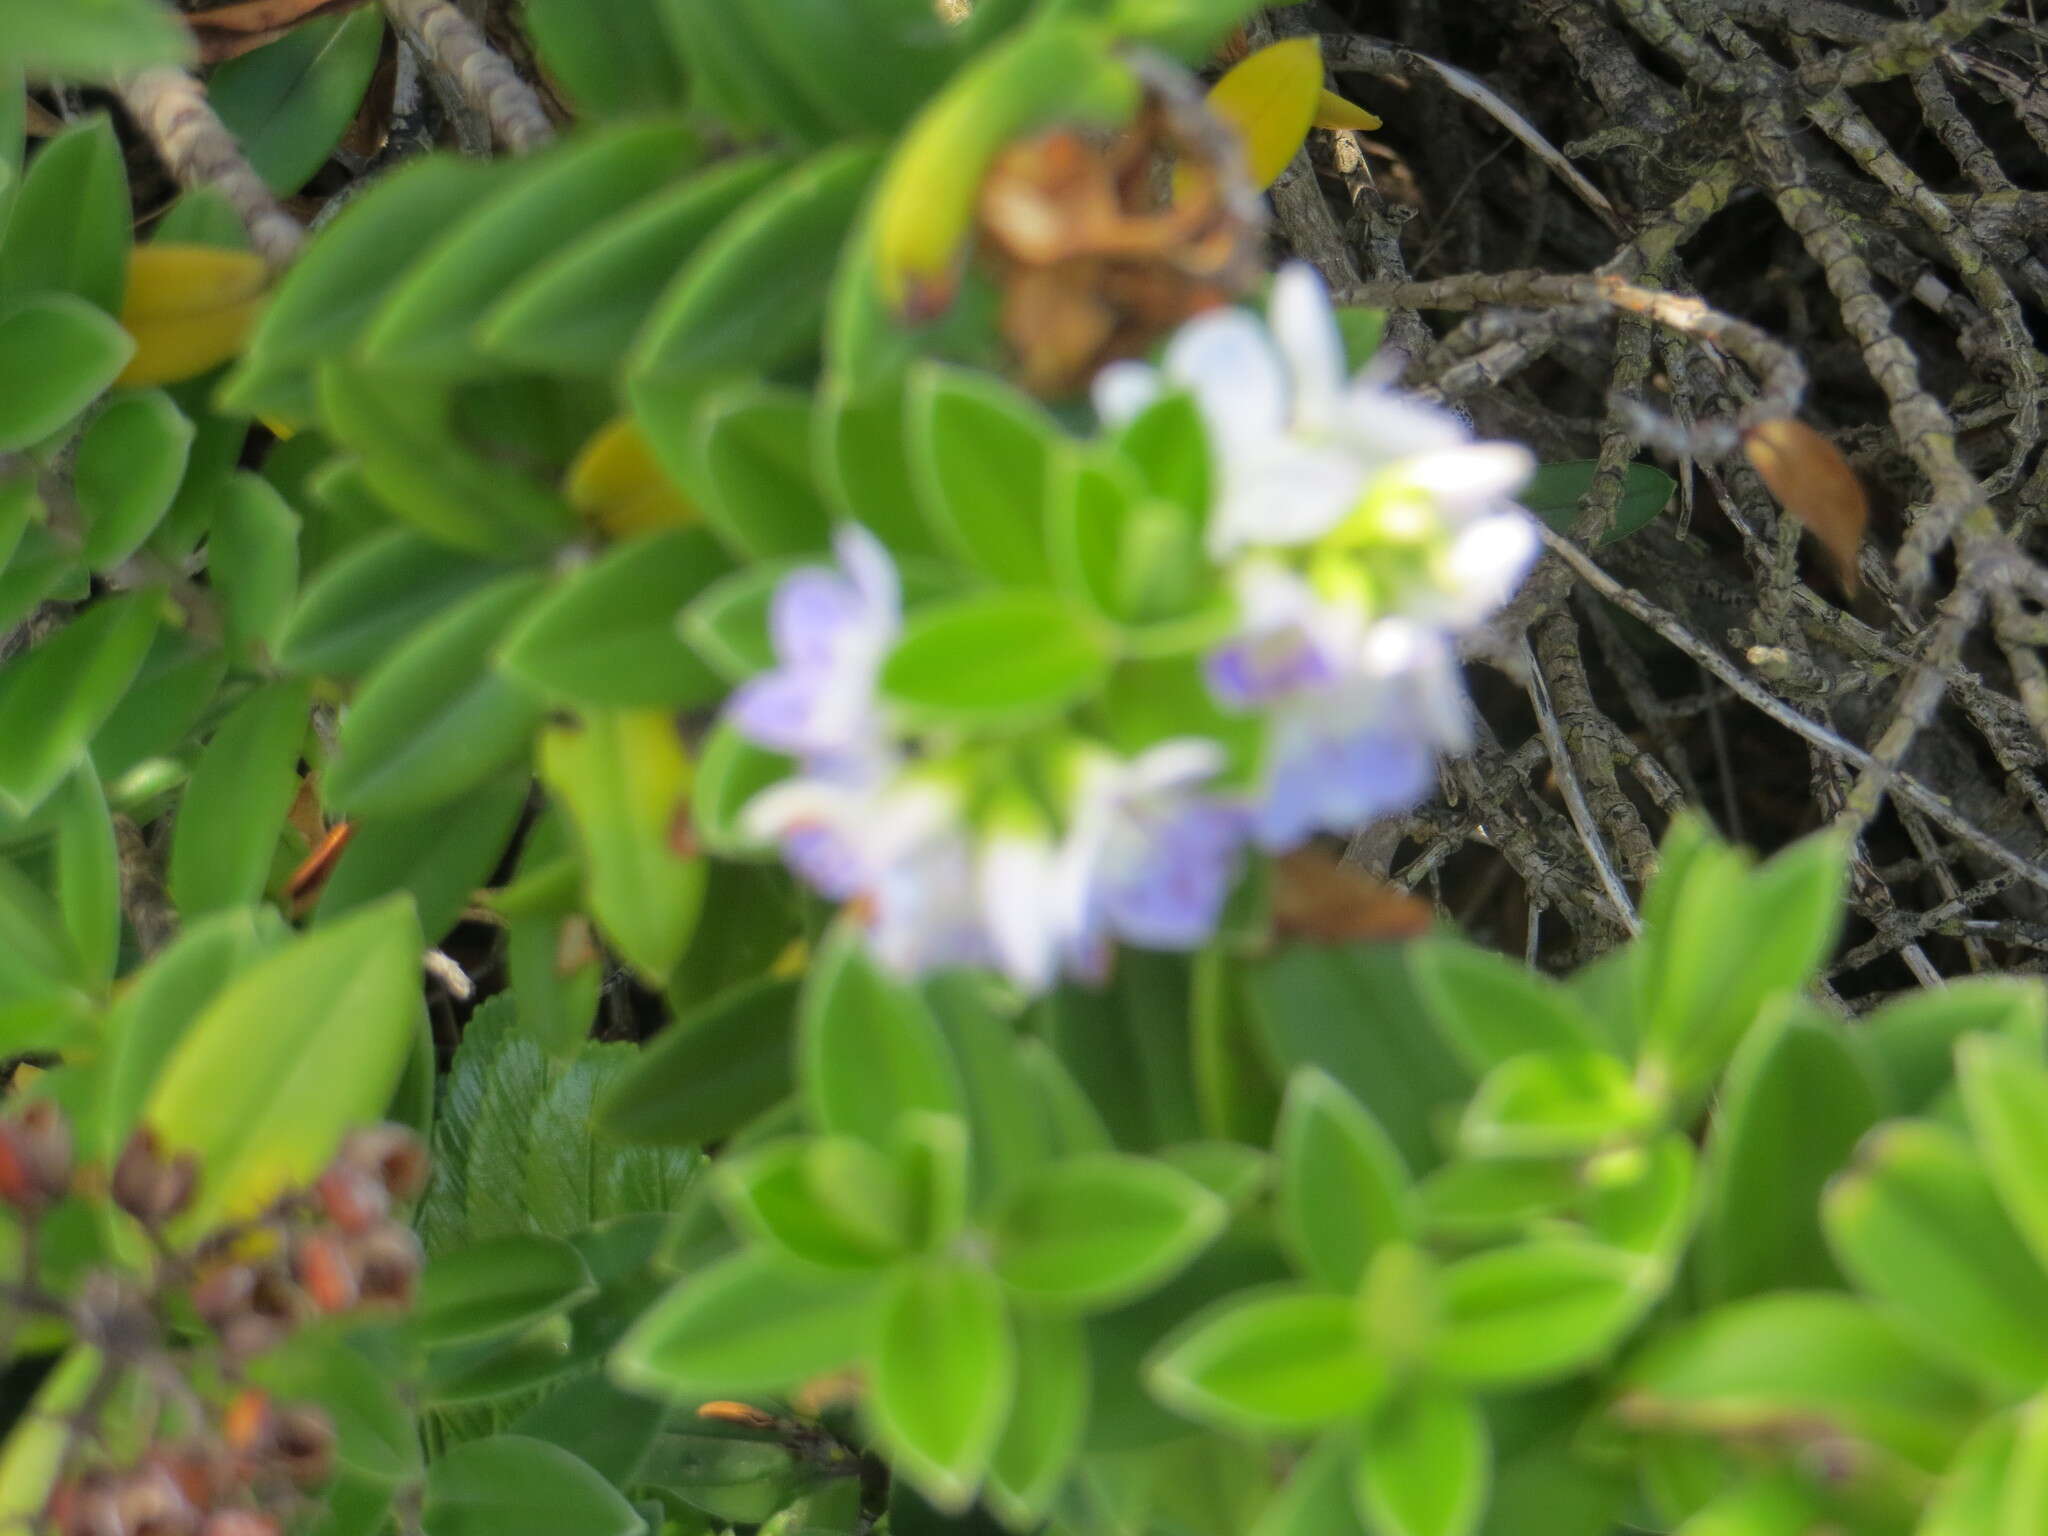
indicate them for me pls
(324, 1272)
(35, 1158)
(249, 1426)
(353, 1199)
(387, 1265)
(149, 1186)
(304, 1446)
(395, 1156)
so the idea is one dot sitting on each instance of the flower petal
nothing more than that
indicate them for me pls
(1122, 390)
(1285, 496)
(1305, 328)
(1227, 361)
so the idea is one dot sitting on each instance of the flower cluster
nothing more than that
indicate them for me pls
(232, 1461)
(1357, 532)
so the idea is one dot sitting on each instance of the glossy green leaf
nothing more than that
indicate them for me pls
(1537, 1310)
(863, 66)
(71, 350)
(88, 875)
(868, 1049)
(1492, 1008)
(748, 1323)
(399, 427)
(579, 310)
(1917, 1224)
(833, 1202)
(1343, 1190)
(289, 102)
(302, 1046)
(1795, 1102)
(1555, 492)
(752, 295)
(625, 781)
(611, 61)
(945, 1365)
(1820, 1357)
(333, 289)
(68, 233)
(438, 857)
(1047, 1418)
(375, 595)
(710, 1072)
(426, 321)
(1426, 1466)
(982, 458)
(130, 461)
(374, 1435)
(252, 557)
(236, 802)
(998, 657)
(1278, 1360)
(512, 1485)
(607, 634)
(863, 466)
(1912, 1039)
(497, 1286)
(2005, 1091)
(1087, 1232)
(1555, 1103)
(434, 719)
(55, 697)
(749, 467)
(92, 40)
(1316, 1500)
(732, 772)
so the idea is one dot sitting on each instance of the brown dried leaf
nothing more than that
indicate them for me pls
(228, 31)
(1317, 898)
(1813, 482)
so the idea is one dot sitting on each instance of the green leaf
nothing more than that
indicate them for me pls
(304, 1045)
(54, 698)
(834, 1202)
(1492, 1008)
(38, 961)
(235, 805)
(864, 66)
(2005, 1091)
(748, 464)
(981, 455)
(868, 1049)
(1130, 1050)
(607, 635)
(1046, 1421)
(427, 320)
(439, 857)
(733, 770)
(399, 426)
(161, 1002)
(752, 295)
(375, 595)
(1089, 1232)
(592, 1419)
(1538, 1310)
(252, 558)
(1998, 1482)
(68, 233)
(1495, 1197)
(1316, 1499)
(332, 290)
(611, 61)
(434, 719)
(1556, 490)
(1278, 1360)
(1822, 1358)
(497, 1286)
(288, 103)
(863, 466)
(1555, 1104)
(1912, 1039)
(130, 461)
(88, 876)
(625, 780)
(1917, 1224)
(1343, 1190)
(1000, 657)
(579, 310)
(728, 624)
(748, 1323)
(1794, 1104)
(1426, 1466)
(945, 1365)
(709, 1073)
(70, 349)
(512, 1485)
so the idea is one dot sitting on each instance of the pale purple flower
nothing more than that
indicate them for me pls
(831, 626)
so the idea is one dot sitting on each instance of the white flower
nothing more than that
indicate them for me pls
(1296, 444)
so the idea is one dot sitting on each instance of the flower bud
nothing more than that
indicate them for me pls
(387, 1265)
(239, 1522)
(351, 1198)
(250, 1424)
(149, 1186)
(393, 1154)
(303, 1446)
(35, 1158)
(150, 1503)
(323, 1269)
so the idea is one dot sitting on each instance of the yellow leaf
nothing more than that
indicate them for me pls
(1333, 111)
(1270, 98)
(189, 308)
(617, 483)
